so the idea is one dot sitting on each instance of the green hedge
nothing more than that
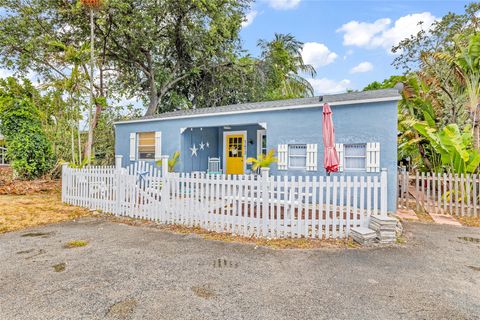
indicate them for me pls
(28, 149)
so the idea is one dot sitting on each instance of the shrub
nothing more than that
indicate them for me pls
(28, 149)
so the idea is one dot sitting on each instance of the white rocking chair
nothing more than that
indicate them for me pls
(214, 166)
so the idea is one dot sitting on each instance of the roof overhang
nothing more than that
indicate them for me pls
(292, 107)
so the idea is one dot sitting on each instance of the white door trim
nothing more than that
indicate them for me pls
(224, 160)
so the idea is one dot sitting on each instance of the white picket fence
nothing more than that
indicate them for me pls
(440, 193)
(263, 205)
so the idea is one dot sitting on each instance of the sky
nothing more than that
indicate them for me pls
(348, 42)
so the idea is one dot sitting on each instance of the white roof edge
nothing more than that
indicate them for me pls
(319, 104)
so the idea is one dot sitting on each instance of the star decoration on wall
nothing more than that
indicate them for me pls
(202, 145)
(194, 150)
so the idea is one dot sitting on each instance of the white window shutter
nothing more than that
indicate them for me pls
(373, 157)
(158, 145)
(133, 144)
(282, 157)
(339, 148)
(312, 160)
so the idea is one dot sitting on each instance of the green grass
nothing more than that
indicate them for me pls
(76, 244)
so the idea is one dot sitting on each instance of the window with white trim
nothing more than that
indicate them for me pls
(146, 145)
(297, 156)
(261, 142)
(354, 157)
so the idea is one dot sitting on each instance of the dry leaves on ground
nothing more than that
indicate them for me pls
(301, 243)
(24, 211)
(469, 221)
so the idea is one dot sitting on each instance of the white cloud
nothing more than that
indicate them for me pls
(360, 34)
(283, 4)
(317, 54)
(362, 67)
(382, 33)
(328, 86)
(249, 18)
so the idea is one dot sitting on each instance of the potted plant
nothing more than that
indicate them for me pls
(263, 161)
(172, 162)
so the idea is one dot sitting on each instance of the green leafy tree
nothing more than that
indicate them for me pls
(439, 38)
(158, 47)
(385, 84)
(28, 149)
(465, 65)
(50, 39)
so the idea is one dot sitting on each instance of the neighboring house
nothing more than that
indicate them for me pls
(365, 133)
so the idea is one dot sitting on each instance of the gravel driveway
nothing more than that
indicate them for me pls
(132, 272)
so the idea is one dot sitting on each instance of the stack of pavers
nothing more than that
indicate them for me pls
(384, 226)
(363, 235)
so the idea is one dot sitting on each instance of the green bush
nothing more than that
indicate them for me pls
(28, 149)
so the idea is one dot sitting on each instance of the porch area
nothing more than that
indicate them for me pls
(222, 149)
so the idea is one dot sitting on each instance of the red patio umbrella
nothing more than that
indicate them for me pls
(330, 156)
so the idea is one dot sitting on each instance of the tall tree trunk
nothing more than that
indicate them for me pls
(426, 161)
(476, 129)
(91, 125)
(154, 99)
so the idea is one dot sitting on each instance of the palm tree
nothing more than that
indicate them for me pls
(283, 65)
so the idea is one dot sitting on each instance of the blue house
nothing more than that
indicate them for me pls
(365, 135)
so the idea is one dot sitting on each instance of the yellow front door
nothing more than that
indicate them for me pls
(235, 147)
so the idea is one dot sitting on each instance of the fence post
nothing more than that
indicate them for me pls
(265, 199)
(118, 161)
(118, 175)
(383, 192)
(164, 165)
(64, 181)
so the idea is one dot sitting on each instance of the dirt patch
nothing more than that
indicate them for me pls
(122, 309)
(20, 212)
(39, 253)
(59, 267)
(25, 251)
(75, 244)
(224, 263)
(203, 292)
(470, 239)
(37, 234)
